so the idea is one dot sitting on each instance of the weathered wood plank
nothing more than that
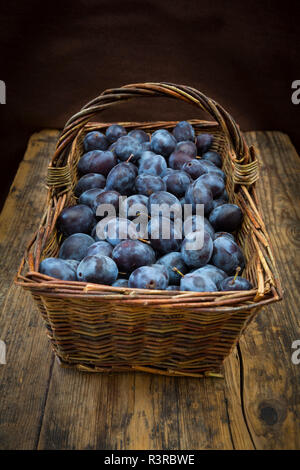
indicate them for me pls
(24, 379)
(271, 382)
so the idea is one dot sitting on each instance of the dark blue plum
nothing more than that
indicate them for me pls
(100, 248)
(204, 143)
(58, 268)
(76, 219)
(75, 246)
(194, 168)
(215, 274)
(135, 204)
(163, 269)
(122, 178)
(197, 168)
(232, 283)
(226, 218)
(196, 282)
(184, 131)
(97, 269)
(178, 159)
(187, 147)
(118, 229)
(177, 182)
(174, 260)
(194, 223)
(168, 201)
(89, 181)
(88, 197)
(227, 255)
(73, 263)
(213, 157)
(148, 184)
(114, 132)
(148, 277)
(199, 193)
(139, 135)
(214, 182)
(210, 167)
(106, 197)
(193, 254)
(152, 164)
(164, 235)
(131, 254)
(126, 147)
(97, 161)
(162, 142)
(95, 140)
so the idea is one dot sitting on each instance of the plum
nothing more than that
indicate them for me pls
(95, 140)
(204, 143)
(76, 219)
(140, 136)
(235, 283)
(184, 131)
(196, 282)
(75, 246)
(187, 147)
(101, 248)
(97, 161)
(226, 218)
(162, 142)
(148, 184)
(193, 254)
(97, 269)
(114, 132)
(177, 182)
(213, 157)
(174, 260)
(227, 255)
(58, 268)
(148, 277)
(89, 181)
(152, 164)
(131, 254)
(122, 178)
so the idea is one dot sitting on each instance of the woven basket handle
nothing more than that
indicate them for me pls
(113, 96)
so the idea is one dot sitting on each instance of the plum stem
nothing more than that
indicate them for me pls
(140, 213)
(199, 158)
(130, 157)
(236, 274)
(144, 241)
(177, 271)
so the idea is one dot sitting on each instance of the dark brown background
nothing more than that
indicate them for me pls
(55, 56)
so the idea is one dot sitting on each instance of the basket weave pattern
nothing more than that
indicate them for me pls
(103, 328)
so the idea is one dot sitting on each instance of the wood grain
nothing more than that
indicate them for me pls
(24, 379)
(256, 405)
(271, 381)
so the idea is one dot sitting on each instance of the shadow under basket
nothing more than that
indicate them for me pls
(101, 328)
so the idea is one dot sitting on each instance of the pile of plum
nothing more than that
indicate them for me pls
(169, 168)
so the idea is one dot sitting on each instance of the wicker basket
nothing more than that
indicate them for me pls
(102, 328)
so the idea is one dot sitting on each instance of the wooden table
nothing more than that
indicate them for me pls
(255, 406)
